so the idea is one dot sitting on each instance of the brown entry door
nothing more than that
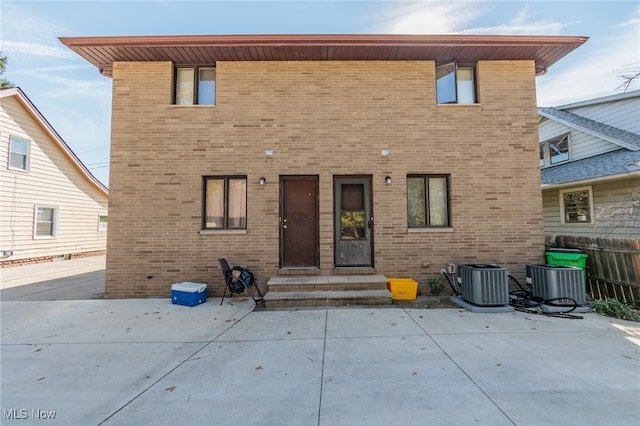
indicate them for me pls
(299, 222)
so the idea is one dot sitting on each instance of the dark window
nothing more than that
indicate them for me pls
(352, 216)
(577, 206)
(427, 201)
(225, 203)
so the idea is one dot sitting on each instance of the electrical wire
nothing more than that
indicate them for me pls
(456, 291)
(523, 300)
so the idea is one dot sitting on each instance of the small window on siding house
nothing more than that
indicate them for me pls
(19, 153)
(103, 221)
(576, 205)
(555, 150)
(195, 86)
(46, 222)
(559, 149)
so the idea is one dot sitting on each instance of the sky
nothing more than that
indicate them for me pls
(76, 100)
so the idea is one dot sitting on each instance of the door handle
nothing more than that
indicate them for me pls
(370, 223)
(284, 223)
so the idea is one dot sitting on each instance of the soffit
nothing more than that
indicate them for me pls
(102, 52)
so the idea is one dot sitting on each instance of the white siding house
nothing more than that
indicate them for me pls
(51, 206)
(590, 171)
(590, 168)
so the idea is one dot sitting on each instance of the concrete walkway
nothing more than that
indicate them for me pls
(148, 362)
(75, 279)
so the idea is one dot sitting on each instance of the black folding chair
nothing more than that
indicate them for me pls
(237, 280)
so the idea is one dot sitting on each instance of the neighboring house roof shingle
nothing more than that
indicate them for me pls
(39, 118)
(612, 163)
(614, 135)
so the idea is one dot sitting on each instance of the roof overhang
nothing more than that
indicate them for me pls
(102, 52)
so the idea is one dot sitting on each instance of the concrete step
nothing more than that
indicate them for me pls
(328, 283)
(335, 290)
(319, 298)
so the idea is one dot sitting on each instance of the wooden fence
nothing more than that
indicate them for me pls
(613, 266)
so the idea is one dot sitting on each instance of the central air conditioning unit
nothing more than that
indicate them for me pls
(557, 282)
(484, 285)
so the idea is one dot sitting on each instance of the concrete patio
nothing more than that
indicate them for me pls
(146, 361)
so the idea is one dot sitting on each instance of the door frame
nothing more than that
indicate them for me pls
(282, 179)
(356, 178)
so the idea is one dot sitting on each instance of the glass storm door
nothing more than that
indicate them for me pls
(353, 222)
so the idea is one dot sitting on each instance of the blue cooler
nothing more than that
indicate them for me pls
(188, 294)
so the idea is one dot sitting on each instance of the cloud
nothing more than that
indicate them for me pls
(57, 68)
(7, 46)
(437, 17)
(598, 71)
(630, 22)
(46, 75)
(523, 23)
(431, 17)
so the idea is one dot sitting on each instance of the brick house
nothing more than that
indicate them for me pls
(320, 155)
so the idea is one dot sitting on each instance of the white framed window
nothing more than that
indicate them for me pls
(103, 221)
(45, 224)
(195, 86)
(455, 84)
(19, 153)
(576, 206)
(555, 150)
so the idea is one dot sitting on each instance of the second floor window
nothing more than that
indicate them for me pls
(554, 151)
(195, 86)
(18, 154)
(455, 84)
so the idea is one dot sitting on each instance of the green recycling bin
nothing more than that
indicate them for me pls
(568, 257)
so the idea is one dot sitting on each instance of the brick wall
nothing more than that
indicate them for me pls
(325, 119)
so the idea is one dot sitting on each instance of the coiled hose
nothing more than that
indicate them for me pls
(524, 301)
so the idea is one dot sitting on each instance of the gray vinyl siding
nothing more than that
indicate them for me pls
(616, 211)
(623, 114)
(52, 181)
(581, 144)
